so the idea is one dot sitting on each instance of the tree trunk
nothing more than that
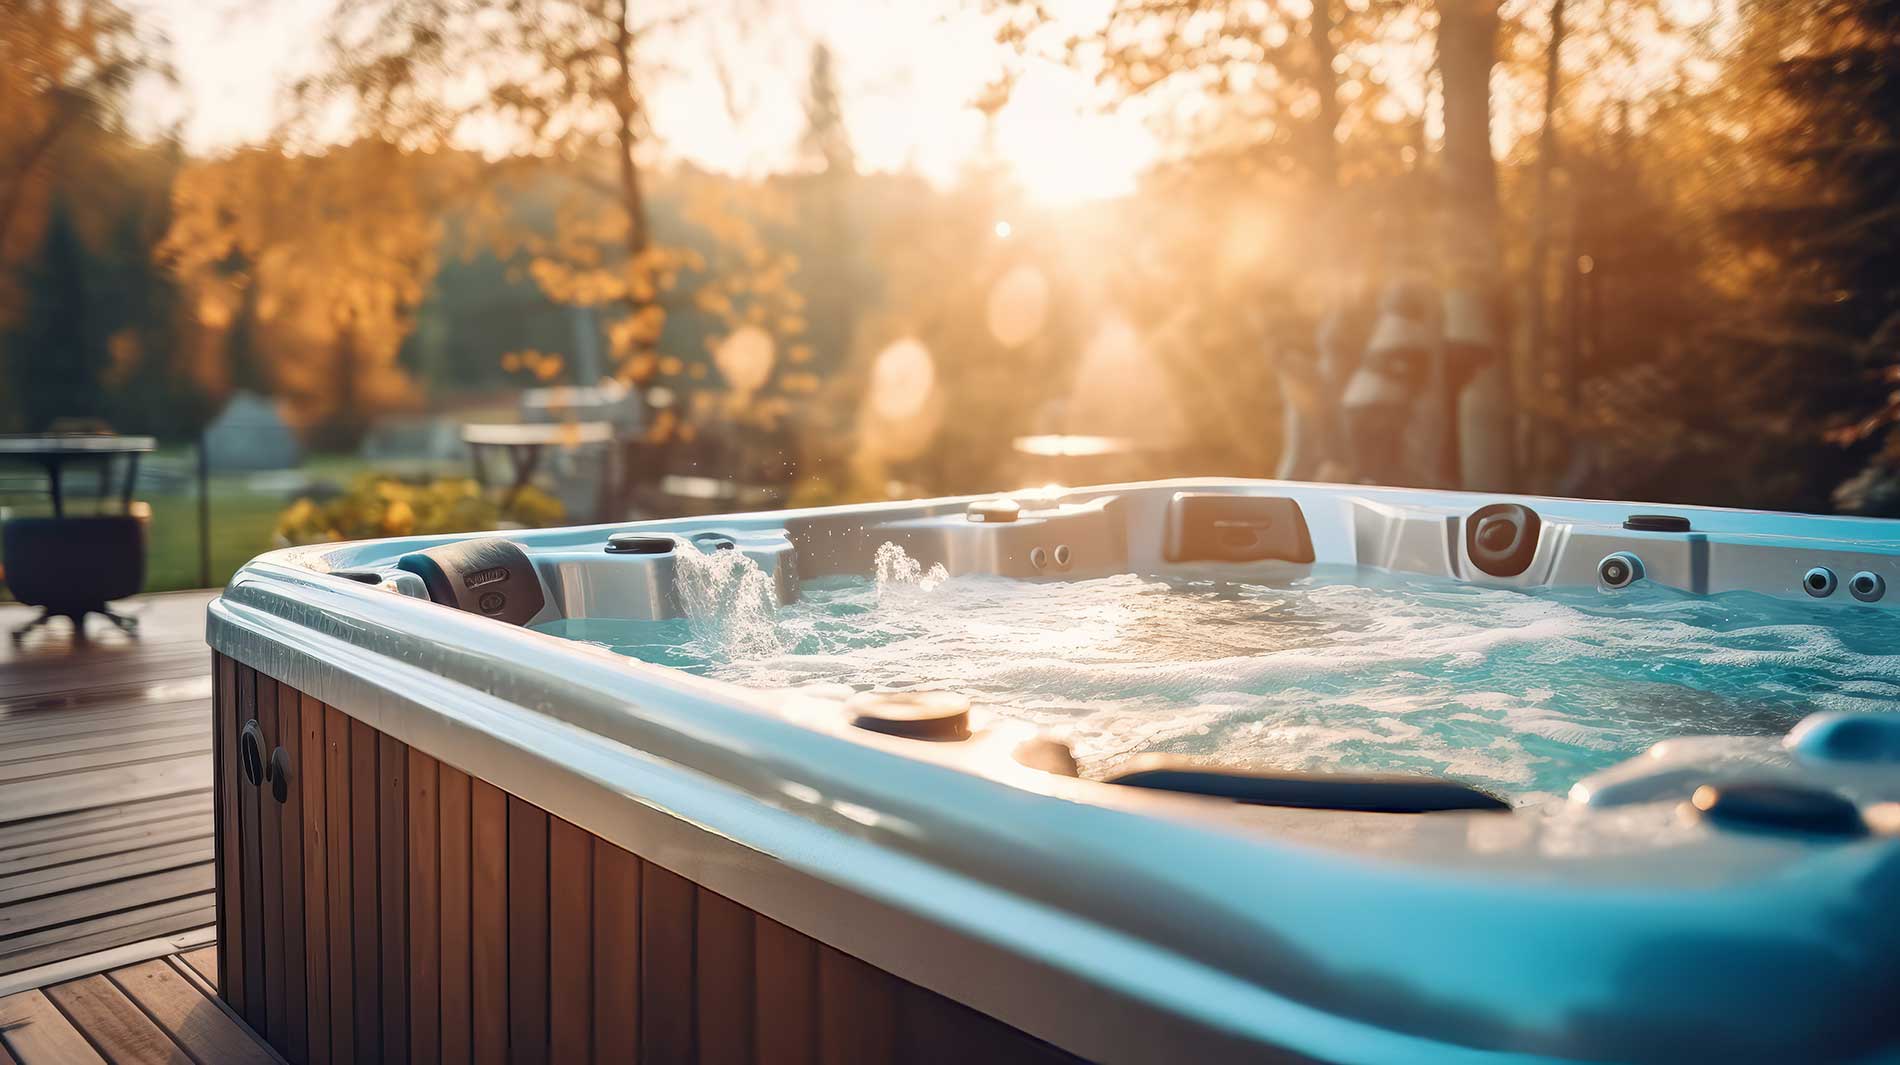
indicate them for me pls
(627, 108)
(1326, 81)
(1312, 387)
(1467, 50)
(1536, 297)
(626, 101)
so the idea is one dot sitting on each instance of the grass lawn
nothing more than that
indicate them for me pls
(241, 524)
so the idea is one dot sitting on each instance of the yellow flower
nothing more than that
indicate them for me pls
(399, 518)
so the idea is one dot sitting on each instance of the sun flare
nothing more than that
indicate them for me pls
(1062, 149)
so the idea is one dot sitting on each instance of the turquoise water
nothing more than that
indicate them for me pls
(1521, 693)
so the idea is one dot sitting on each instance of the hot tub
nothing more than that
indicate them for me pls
(460, 818)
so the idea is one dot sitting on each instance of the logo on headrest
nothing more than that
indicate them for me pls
(487, 576)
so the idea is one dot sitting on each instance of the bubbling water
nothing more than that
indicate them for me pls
(1306, 669)
(730, 604)
(898, 573)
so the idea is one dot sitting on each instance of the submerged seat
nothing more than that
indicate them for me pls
(1367, 793)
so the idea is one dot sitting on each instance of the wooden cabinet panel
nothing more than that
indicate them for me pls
(395, 909)
(288, 723)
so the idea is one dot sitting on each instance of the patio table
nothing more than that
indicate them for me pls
(525, 444)
(52, 452)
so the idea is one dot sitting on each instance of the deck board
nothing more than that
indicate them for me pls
(146, 1012)
(112, 1023)
(34, 1030)
(203, 961)
(105, 785)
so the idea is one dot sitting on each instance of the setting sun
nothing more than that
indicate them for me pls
(1063, 150)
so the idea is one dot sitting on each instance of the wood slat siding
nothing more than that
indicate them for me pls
(453, 808)
(250, 844)
(270, 827)
(527, 906)
(421, 915)
(336, 825)
(230, 876)
(424, 921)
(488, 915)
(392, 761)
(365, 894)
(296, 967)
(316, 880)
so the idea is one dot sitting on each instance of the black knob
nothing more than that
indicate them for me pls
(280, 775)
(251, 752)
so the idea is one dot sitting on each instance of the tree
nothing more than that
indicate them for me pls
(555, 93)
(1326, 98)
(530, 81)
(150, 385)
(57, 355)
(826, 143)
(828, 233)
(312, 267)
(63, 64)
(1473, 266)
(1824, 212)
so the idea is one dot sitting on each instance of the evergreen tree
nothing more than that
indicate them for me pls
(138, 312)
(826, 142)
(56, 357)
(1832, 331)
(830, 274)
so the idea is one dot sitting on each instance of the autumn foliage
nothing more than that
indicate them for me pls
(1672, 223)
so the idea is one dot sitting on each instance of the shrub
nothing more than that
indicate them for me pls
(384, 505)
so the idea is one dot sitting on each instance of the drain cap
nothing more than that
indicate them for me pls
(912, 715)
(1778, 808)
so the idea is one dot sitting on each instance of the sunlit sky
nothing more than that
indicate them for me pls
(908, 71)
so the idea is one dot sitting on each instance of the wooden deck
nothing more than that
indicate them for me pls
(105, 796)
(162, 1010)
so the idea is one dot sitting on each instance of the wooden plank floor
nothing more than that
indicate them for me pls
(163, 1010)
(105, 784)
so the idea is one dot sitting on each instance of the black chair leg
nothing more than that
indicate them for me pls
(127, 625)
(19, 634)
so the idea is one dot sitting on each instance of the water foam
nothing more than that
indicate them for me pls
(1523, 693)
